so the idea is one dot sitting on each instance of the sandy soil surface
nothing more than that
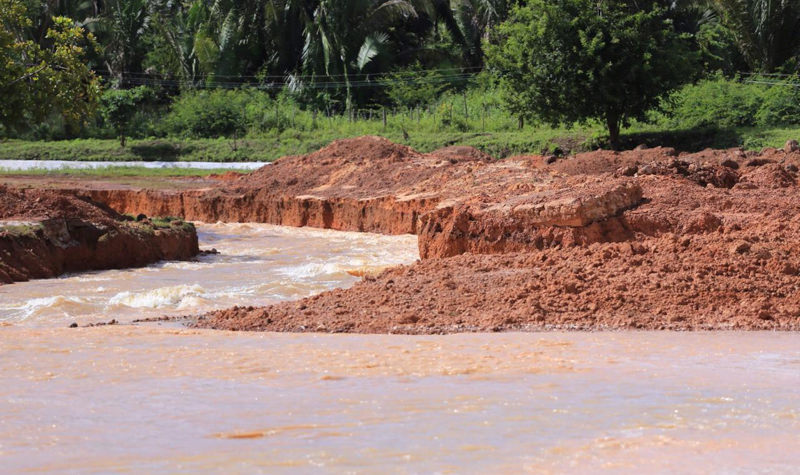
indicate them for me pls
(44, 233)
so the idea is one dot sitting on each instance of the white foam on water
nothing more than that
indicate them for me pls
(312, 270)
(257, 264)
(60, 304)
(178, 295)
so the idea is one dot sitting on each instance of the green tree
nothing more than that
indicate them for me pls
(414, 87)
(37, 79)
(567, 61)
(118, 106)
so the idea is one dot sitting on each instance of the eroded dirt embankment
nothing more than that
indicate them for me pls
(639, 239)
(646, 239)
(367, 184)
(46, 233)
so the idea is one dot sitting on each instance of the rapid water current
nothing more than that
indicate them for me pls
(166, 399)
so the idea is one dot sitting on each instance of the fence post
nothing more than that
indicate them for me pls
(466, 110)
(383, 110)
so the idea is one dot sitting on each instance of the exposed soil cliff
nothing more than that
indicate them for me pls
(367, 184)
(45, 233)
(646, 239)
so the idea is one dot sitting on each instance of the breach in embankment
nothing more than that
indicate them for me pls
(648, 238)
(645, 239)
(45, 234)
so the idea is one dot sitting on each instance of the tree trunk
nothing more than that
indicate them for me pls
(349, 103)
(612, 121)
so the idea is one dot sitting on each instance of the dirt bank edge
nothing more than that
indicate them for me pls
(44, 234)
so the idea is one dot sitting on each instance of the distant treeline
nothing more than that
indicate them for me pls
(305, 61)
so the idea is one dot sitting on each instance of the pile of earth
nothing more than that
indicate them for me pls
(365, 184)
(646, 239)
(45, 233)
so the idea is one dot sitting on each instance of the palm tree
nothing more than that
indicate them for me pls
(123, 23)
(766, 31)
(344, 36)
(475, 19)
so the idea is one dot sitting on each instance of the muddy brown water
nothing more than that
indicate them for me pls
(165, 399)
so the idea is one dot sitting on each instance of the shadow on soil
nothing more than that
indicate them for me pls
(692, 140)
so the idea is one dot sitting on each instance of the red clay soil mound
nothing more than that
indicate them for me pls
(563, 211)
(700, 258)
(229, 175)
(362, 184)
(364, 167)
(46, 233)
(770, 175)
(643, 240)
(460, 153)
(661, 283)
(33, 205)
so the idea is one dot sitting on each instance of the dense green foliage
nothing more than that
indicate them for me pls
(574, 60)
(723, 103)
(231, 80)
(764, 30)
(38, 78)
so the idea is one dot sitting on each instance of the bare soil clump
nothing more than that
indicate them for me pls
(45, 233)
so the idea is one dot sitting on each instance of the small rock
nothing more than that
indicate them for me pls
(789, 269)
(642, 147)
(791, 146)
(740, 247)
(628, 171)
(571, 288)
(648, 169)
(732, 164)
(73, 325)
(703, 222)
(758, 162)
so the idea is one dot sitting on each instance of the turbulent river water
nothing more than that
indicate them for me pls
(165, 399)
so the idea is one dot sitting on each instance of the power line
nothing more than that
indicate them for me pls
(462, 70)
(204, 84)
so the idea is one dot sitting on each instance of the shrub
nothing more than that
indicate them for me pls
(716, 102)
(217, 113)
(780, 106)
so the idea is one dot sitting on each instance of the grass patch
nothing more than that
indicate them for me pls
(149, 225)
(21, 230)
(499, 144)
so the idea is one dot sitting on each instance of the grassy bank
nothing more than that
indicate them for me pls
(292, 142)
